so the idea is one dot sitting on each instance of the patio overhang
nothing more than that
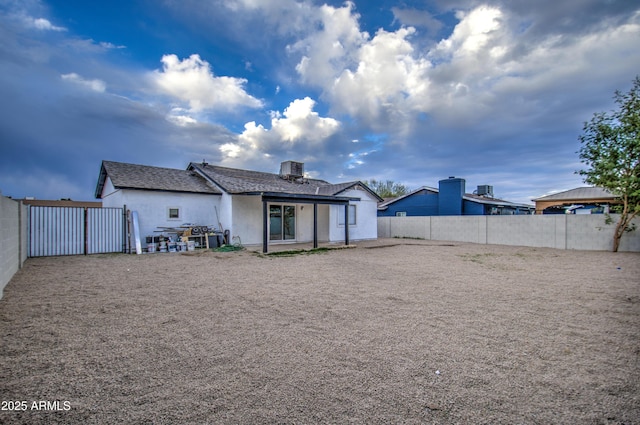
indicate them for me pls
(303, 199)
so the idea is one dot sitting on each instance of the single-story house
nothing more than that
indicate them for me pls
(256, 207)
(581, 200)
(450, 199)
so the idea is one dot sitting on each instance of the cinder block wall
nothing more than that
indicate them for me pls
(581, 232)
(13, 238)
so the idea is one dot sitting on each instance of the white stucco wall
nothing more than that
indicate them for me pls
(13, 238)
(366, 226)
(247, 219)
(152, 207)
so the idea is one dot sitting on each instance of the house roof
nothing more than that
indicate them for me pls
(580, 194)
(493, 201)
(212, 179)
(467, 197)
(133, 176)
(237, 181)
(383, 205)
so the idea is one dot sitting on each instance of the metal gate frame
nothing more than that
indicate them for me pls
(75, 230)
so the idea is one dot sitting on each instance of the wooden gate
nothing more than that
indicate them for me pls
(75, 230)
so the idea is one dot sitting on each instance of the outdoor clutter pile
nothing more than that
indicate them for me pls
(187, 237)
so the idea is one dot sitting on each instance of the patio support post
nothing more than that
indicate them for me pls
(264, 226)
(315, 224)
(346, 224)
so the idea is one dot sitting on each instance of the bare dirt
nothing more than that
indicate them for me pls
(392, 331)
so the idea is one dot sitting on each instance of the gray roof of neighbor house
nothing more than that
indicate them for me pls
(467, 196)
(237, 181)
(388, 201)
(133, 176)
(580, 193)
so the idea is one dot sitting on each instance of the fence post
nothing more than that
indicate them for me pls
(86, 230)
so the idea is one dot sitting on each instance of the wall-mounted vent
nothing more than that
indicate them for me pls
(291, 169)
(485, 190)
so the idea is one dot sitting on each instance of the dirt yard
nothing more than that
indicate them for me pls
(392, 331)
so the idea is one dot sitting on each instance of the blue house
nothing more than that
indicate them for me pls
(450, 199)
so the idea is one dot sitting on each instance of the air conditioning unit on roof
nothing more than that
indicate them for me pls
(485, 190)
(292, 169)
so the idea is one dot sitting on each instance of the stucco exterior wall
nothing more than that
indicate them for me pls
(566, 231)
(366, 226)
(247, 219)
(152, 207)
(13, 239)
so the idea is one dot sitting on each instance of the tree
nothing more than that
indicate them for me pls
(611, 152)
(387, 189)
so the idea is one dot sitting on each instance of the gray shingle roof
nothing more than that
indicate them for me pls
(467, 196)
(580, 193)
(236, 181)
(201, 178)
(133, 176)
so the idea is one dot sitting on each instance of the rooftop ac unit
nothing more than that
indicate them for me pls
(485, 190)
(292, 169)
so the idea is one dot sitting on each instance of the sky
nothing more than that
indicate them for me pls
(412, 91)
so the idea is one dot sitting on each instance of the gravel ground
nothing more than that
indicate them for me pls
(391, 331)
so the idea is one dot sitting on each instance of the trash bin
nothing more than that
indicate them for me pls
(213, 241)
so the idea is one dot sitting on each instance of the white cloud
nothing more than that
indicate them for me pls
(301, 122)
(385, 80)
(95, 85)
(107, 45)
(191, 80)
(472, 34)
(329, 50)
(298, 125)
(388, 77)
(43, 24)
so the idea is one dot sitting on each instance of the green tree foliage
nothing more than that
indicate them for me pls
(387, 189)
(611, 153)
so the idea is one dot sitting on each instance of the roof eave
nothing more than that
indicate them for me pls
(102, 178)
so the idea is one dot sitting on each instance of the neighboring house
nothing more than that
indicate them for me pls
(257, 207)
(581, 200)
(450, 199)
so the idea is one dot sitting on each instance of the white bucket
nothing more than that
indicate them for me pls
(151, 248)
(191, 245)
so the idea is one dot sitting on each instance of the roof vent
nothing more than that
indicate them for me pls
(291, 170)
(485, 190)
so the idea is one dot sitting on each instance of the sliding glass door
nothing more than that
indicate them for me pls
(282, 222)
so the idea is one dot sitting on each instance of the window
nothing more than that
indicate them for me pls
(401, 213)
(173, 213)
(352, 216)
